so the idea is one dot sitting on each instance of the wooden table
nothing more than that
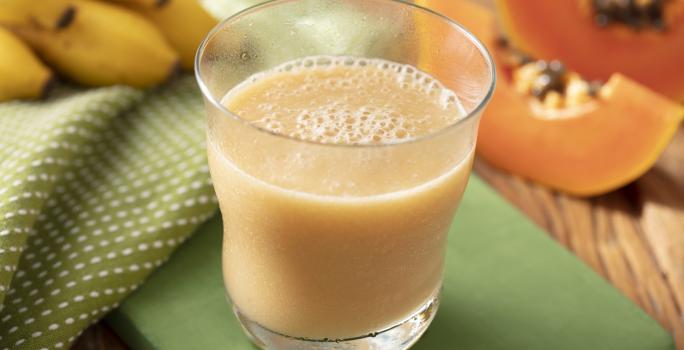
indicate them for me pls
(633, 237)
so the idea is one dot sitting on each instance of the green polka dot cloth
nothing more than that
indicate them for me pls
(97, 188)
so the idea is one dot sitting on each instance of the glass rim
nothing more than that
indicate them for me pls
(270, 3)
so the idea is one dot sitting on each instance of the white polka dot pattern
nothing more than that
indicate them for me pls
(97, 188)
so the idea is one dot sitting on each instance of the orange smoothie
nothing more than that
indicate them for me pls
(342, 232)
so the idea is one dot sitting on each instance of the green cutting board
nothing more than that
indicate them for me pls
(508, 286)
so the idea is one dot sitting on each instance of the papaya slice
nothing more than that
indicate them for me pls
(474, 17)
(570, 31)
(584, 150)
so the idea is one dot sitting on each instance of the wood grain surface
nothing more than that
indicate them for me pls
(633, 237)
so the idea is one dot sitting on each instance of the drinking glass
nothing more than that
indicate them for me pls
(338, 246)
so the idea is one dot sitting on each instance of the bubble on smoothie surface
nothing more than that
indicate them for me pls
(324, 103)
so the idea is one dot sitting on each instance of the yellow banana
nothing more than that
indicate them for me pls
(184, 23)
(47, 14)
(22, 74)
(105, 45)
(143, 3)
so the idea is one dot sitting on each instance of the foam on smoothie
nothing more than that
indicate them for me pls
(331, 108)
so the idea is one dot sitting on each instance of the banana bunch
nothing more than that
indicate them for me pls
(22, 74)
(140, 43)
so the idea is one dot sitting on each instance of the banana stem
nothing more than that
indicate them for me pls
(50, 15)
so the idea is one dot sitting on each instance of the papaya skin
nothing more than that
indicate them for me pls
(563, 30)
(589, 150)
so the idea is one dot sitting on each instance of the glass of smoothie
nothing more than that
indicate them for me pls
(340, 140)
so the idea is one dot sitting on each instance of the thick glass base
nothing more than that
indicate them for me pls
(397, 337)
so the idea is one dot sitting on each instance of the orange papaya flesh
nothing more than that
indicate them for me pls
(590, 149)
(473, 17)
(567, 30)
(605, 146)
